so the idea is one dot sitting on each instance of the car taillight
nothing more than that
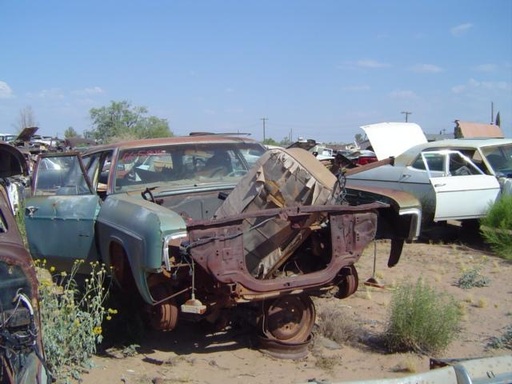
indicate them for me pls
(366, 160)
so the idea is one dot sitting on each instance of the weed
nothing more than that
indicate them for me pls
(504, 341)
(482, 303)
(337, 326)
(327, 363)
(409, 365)
(72, 318)
(421, 319)
(473, 278)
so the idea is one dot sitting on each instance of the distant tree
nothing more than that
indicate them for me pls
(121, 120)
(70, 132)
(270, 141)
(26, 119)
(358, 137)
(498, 120)
(285, 142)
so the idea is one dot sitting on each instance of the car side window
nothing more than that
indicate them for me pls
(459, 166)
(60, 175)
(435, 162)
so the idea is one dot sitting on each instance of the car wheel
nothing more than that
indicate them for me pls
(289, 319)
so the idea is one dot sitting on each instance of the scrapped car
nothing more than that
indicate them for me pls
(455, 179)
(21, 349)
(199, 225)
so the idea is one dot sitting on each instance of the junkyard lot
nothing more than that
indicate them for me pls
(194, 354)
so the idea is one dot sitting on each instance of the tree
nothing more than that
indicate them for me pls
(70, 132)
(26, 119)
(498, 120)
(270, 141)
(285, 142)
(121, 120)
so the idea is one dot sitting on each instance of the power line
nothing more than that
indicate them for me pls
(406, 115)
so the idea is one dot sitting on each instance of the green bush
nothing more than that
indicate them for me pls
(496, 227)
(421, 319)
(71, 318)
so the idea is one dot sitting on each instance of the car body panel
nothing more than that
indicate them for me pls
(456, 201)
(383, 136)
(72, 218)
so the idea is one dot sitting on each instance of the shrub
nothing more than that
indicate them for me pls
(337, 326)
(473, 278)
(496, 227)
(421, 319)
(504, 341)
(71, 318)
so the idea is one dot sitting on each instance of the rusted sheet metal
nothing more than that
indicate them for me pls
(280, 179)
(199, 139)
(218, 247)
(12, 161)
(20, 337)
(287, 200)
(466, 129)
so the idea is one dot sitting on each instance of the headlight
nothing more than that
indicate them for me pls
(173, 240)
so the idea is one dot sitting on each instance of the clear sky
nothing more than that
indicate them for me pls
(312, 68)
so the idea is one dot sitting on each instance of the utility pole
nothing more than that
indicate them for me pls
(406, 115)
(264, 120)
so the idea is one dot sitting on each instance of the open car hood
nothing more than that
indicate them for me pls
(12, 161)
(392, 139)
(27, 134)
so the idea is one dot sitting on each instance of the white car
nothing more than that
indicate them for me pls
(455, 179)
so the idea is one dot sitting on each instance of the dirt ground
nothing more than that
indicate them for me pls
(191, 354)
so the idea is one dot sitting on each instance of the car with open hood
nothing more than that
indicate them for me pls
(201, 225)
(455, 179)
(21, 346)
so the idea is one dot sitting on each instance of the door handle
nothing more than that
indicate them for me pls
(439, 185)
(29, 211)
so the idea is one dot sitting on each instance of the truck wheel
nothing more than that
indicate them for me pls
(289, 319)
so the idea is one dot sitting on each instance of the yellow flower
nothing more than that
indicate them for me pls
(108, 317)
(52, 269)
(77, 323)
(97, 330)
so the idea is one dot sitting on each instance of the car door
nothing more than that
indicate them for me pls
(60, 215)
(462, 190)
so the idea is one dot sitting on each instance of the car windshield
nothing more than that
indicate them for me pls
(500, 158)
(184, 164)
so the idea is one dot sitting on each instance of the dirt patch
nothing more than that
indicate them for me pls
(194, 354)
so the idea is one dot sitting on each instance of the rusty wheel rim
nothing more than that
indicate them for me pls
(163, 316)
(289, 319)
(349, 283)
